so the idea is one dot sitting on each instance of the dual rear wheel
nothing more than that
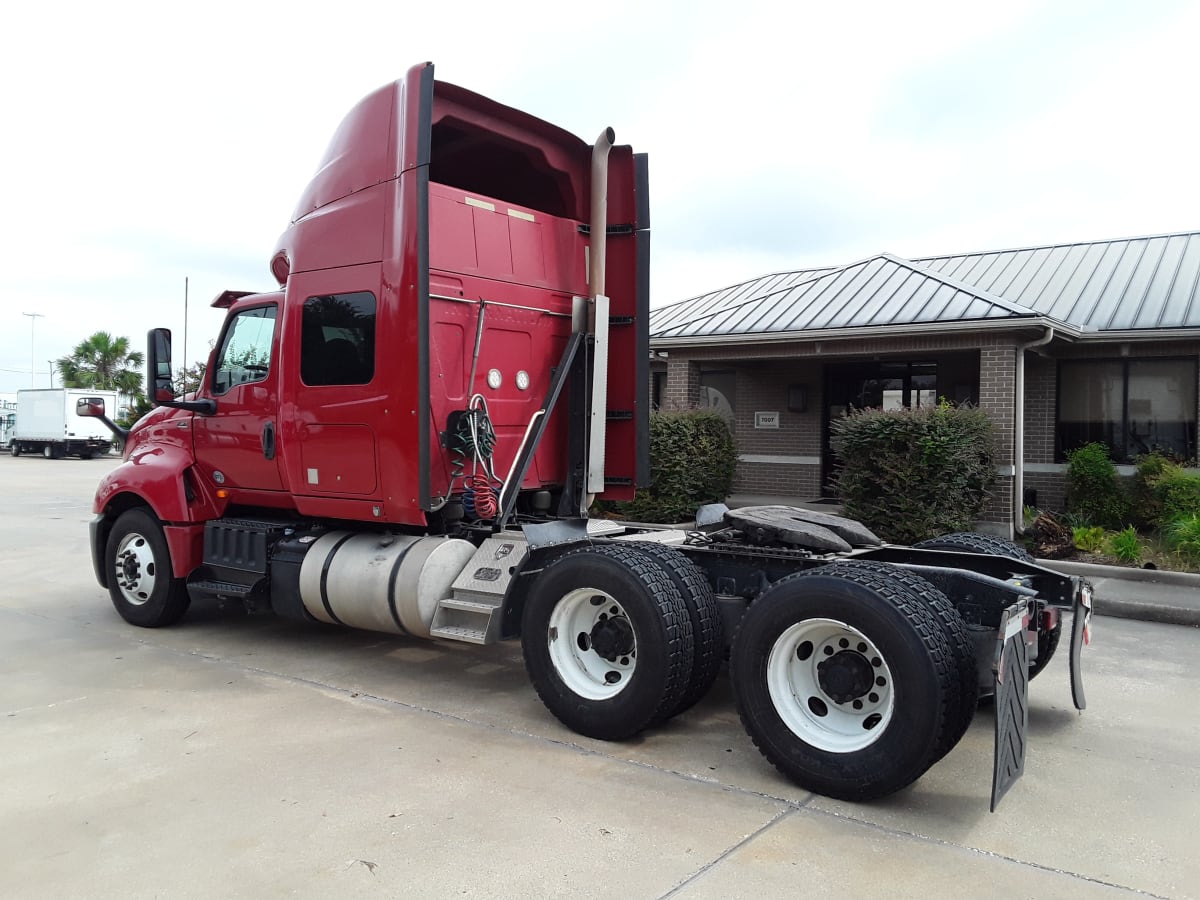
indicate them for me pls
(619, 637)
(853, 678)
(969, 542)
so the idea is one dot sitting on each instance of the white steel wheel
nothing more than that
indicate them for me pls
(592, 644)
(135, 570)
(830, 685)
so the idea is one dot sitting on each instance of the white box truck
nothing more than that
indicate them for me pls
(47, 423)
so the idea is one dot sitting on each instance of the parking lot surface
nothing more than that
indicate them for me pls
(254, 757)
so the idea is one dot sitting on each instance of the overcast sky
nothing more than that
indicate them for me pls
(148, 143)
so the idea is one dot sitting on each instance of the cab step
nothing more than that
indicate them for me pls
(474, 610)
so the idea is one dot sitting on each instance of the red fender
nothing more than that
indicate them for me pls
(159, 476)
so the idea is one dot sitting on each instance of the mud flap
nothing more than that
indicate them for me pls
(1011, 668)
(1081, 633)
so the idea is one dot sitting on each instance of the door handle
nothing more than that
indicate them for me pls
(268, 440)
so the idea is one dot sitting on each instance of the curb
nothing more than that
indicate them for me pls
(1123, 573)
(1149, 595)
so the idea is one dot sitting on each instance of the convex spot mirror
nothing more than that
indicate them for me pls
(91, 407)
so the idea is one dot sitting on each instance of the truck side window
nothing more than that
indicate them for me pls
(246, 352)
(337, 339)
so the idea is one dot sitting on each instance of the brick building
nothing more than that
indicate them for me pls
(1061, 345)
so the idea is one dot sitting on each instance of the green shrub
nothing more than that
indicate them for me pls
(692, 462)
(1125, 545)
(1177, 494)
(1074, 520)
(1093, 492)
(1146, 508)
(1183, 536)
(910, 474)
(1088, 538)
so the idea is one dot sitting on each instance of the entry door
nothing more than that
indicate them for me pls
(873, 385)
(236, 447)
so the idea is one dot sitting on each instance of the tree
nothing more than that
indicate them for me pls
(103, 362)
(188, 379)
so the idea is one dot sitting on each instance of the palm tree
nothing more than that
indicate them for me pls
(104, 362)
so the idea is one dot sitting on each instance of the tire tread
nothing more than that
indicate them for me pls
(708, 632)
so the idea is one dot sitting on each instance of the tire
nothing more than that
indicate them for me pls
(969, 542)
(966, 687)
(85, 454)
(14, 449)
(140, 579)
(1046, 645)
(623, 600)
(708, 631)
(982, 543)
(48, 452)
(896, 665)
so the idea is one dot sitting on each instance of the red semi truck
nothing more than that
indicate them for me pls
(408, 434)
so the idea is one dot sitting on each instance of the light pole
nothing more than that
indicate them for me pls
(51, 372)
(33, 317)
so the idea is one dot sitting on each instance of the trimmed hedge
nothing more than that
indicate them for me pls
(911, 474)
(692, 462)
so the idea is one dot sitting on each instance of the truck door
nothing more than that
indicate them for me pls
(236, 447)
(334, 399)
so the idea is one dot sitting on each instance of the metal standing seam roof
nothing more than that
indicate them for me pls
(881, 290)
(1115, 285)
(682, 311)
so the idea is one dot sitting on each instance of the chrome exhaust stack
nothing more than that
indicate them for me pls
(598, 320)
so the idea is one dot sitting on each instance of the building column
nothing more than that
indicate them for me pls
(683, 384)
(997, 383)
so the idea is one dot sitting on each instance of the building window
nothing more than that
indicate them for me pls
(338, 339)
(658, 387)
(1133, 406)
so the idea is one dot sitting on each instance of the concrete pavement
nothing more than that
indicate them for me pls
(236, 756)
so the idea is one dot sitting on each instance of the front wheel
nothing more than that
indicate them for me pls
(140, 581)
(14, 449)
(607, 640)
(845, 681)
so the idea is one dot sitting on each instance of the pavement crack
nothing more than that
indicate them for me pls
(717, 860)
